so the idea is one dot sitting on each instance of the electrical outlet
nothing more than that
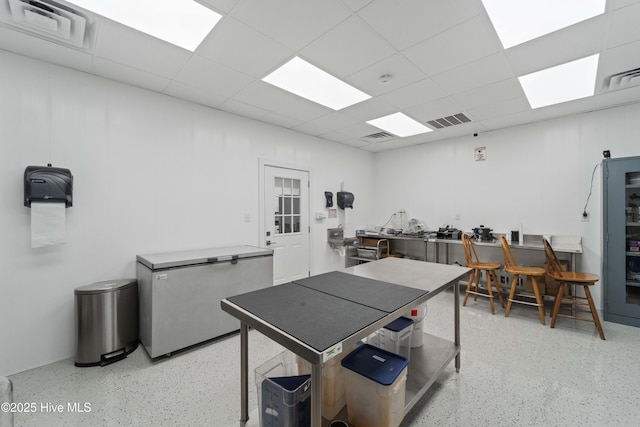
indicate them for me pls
(585, 216)
(503, 280)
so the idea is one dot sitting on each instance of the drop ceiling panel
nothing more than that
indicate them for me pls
(467, 42)
(356, 5)
(434, 110)
(34, 47)
(500, 108)
(348, 47)
(220, 6)
(407, 22)
(280, 120)
(485, 71)
(263, 95)
(578, 41)
(194, 94)
(334, 121)
(414, 94)
(489, 94)
(122, 73)
(616, 60)
(624, 26)
(302, 109)
(370, 109)
(294, 24)
(240, 47)
(210, 76)
(242, 109)
(139, 50)
(401, 70)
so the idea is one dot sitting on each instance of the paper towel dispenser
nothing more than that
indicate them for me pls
(345, 199)
(48, 184)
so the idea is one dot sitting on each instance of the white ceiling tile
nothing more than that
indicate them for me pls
(467, 42)
(212, 77)
(434, 109)
(624, 25)
(407, 22)
(370, 109)
(414, 94)
(240, 47)
(358, 130)
(242, 109)
(302, 109)
(356, 5)
(336, 137)
(348, 47)
(309, 129)
(121, 73)
(616, 60)
(500, 108)
(294, 24)
(221, 6)
(44, 50)
(264, 96)
(489, 94)
(335, 120)
(485, 71)
(578, 41)
(194, 94)
(401, 70)
(135, 49)
(280, 120)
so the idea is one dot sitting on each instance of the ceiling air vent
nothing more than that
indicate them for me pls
(445, 122)
(46, 18)
(380, 136)
(621, 80)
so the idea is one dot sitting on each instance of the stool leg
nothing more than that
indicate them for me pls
(496, 282)
(477, 284)
(466, 294)
(493, 309)
(556, 305)
(539, 299)
(594, 313)
(512, 294)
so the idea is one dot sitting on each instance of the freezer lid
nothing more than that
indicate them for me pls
(201, 256)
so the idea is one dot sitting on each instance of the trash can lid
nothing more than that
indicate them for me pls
(106, 286)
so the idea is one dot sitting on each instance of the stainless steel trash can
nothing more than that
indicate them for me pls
(106, 321)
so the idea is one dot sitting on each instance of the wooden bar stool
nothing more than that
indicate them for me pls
(572, 302)
(511, 266)
(477, 266)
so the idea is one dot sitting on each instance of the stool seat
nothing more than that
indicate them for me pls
(511, 266)
(485, 265)
(576, 277)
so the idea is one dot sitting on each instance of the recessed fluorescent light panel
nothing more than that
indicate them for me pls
(308, 81)
(179, 22)
(400, 125)
(566, 82)
(517, 21)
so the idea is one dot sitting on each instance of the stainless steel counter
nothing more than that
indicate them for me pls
(430, 278)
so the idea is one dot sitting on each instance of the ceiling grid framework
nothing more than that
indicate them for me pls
(443, 58)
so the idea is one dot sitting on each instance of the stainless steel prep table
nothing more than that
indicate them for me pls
(312, 317)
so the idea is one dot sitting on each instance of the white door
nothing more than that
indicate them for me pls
(286, 217)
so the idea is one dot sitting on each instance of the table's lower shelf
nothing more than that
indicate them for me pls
(425, 366)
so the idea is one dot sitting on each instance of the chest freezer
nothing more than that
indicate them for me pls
(180, 293)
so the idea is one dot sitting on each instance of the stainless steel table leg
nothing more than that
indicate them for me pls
(316, 395)
(456, 302)
(244, 374)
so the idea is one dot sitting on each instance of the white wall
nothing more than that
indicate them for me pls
(151, 174)
(538, 175)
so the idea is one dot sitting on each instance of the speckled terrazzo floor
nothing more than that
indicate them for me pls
(515, 372)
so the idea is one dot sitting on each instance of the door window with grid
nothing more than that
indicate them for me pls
(287, 202)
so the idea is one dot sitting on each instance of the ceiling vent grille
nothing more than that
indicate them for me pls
(379, 136)
(445, 122)
(621, 80)
(46, 18)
